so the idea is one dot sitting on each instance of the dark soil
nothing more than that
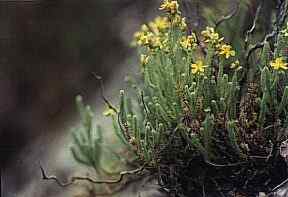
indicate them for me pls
(185, 173)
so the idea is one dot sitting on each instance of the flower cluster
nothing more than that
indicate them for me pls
(189, 98)
(179, 21)
(143, 37)
(210, 36)
(189, 42)
(159, 24)
(279, 64)
(159, 34)
(171, 7)
(154, 35)
(226, 50)
(236, 65)
(198, 67)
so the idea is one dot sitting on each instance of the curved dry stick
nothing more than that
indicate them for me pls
(89, 179)
(107, 102)
(227, 17)
(252, 29)
(282, 10)
(260, 44)
(223, 165)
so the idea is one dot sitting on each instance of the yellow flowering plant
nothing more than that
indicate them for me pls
(210, 36)
(226, 50)
(189, 42)
(193, 91)
(170, 6)
(279, 64)
(207, 115)
(198, 67)
(159, 24)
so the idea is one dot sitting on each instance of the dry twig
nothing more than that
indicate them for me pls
(228, 16)
(107, 102)
(252, 29)
(282, 14)
(89, 179)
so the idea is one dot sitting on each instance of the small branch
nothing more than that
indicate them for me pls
(279, 186)
(280, 19)
(143, 103)
(203, 49)
(107, 102)
(258, 157)
(259, 44)
(270, 155)
(203, 190)
(266, 158)
(89, 179)
(224, 165)
(227, 17)
(252, 29)
(269, 127)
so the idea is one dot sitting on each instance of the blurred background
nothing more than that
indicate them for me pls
(49, 50)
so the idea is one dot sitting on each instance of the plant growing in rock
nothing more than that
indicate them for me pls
(208, 119)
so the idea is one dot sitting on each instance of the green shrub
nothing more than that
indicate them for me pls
(208, 114)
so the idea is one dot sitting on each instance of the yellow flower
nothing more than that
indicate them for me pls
(158, 41)
(189, 42)
(144, 28)
(152, 40)
(208, 31)
(211, 36)
(279, 64)
(159, 24)
(236, 65)
(170, 6)
(137, 35)
(109, 112)
(179, 22)
(140, 38)
(144, 59)
(143, 38)
(198, 67)
(226, 50)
